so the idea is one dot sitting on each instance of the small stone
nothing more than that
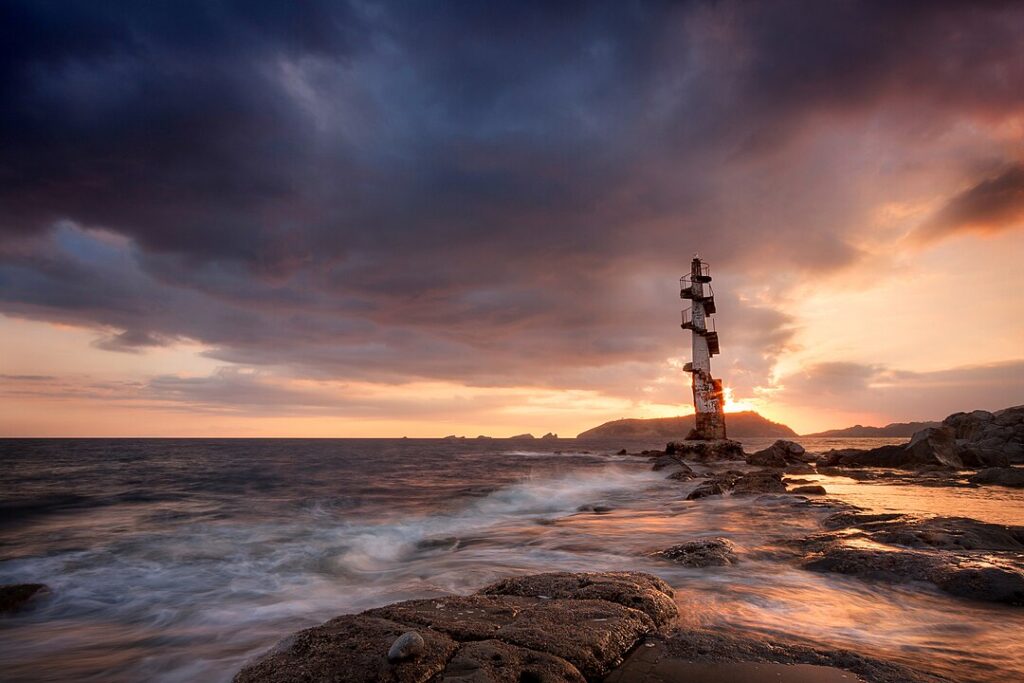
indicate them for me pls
(406, 646)
(813, 490)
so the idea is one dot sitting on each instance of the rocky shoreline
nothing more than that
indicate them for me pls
(544, 628)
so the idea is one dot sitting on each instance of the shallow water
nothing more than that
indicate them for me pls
(178, 560)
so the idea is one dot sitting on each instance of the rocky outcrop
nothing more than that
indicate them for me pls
(702, 552)
(545, 627)
(550, 436)
(988, 435)
(17, 596)
(961, 556)
(523, 437)
(1001, 476)
(964, 440)
(780, 454)
(706, 451)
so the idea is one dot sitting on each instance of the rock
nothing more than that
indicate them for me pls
(523, 437)
(349, 648)
(962, 556)
(779, 454)
(1001, 476)
(759, 482)
(712, 646)
(958, 576)
(549, 437)
(811, 490)
(706, 451)
(622, 451)
(682, 475)
(547, 627)
(975, 456)
(990, 435)
(703, 552)
(407, 646)
(16, 596)
(711, 487)
(492, 661)
(635, 590)
(666, 461)
(802, 468)
(934, 445)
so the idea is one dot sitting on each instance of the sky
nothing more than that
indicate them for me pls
(422, 218)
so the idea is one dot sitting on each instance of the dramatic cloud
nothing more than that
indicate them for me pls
(992, 205)
(493, 194)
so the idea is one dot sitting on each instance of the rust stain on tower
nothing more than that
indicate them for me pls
(707, 391)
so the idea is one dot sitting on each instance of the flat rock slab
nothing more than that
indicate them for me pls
(635, 590)
(492, 661)
(349, 648)
(546, 627)
(645, 666)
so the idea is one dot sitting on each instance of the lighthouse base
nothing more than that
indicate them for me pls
(708, 427)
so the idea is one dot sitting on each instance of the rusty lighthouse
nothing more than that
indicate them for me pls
(708, 400)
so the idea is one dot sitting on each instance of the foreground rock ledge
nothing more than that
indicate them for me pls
(545, 627)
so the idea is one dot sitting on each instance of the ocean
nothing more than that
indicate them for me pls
(180, 560)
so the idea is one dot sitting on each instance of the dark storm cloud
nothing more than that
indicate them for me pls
(462, 190)
(996, 203)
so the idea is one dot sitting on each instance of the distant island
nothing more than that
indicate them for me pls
(894, 429)
(744, 424)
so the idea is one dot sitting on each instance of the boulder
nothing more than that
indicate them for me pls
(759, 482)
(779, 454)
(409, 645)
(16, 596)
(810, 490)
(706, 451)
(1001, 476)
(934, 446)
(702, 552)
(663, 461)
(712, 487)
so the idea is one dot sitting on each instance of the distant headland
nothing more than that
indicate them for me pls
(743, 424)
(891, 430)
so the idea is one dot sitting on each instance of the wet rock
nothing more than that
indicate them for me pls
(779, 454)
(975, 456)
(635, 590)
(802, 468)
(682, 475)
(1001, 476)
(931, 447)
(946, 533)
(349, 648)
(17, 596)
(711, 487)
(548, 627)
(716, 646)
(592, 635)
(990, 581)
(622, 451)
(703, 552)
(810, 490)
(407, 646)
(706, 451)
(759, 482)
(665, 461)
(492, 661)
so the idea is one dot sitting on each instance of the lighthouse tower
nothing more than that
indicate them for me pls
(707, 392)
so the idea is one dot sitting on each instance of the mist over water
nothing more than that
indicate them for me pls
(179, 560)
